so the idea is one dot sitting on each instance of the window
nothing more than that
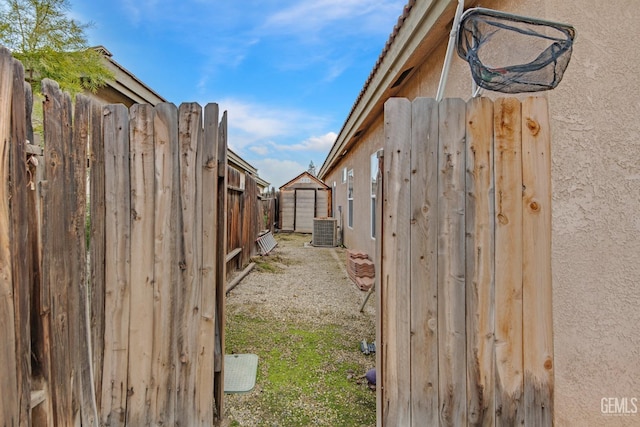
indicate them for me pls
(374, 189)
(350, 198)
(344, 175)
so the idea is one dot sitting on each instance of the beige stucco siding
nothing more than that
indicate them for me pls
(596, 224)
(595, 115)
(358, 159)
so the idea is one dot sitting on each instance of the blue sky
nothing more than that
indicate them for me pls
(287, 71)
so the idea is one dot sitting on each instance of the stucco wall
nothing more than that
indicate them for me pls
(358, 159)
(595, 116)
(596, 200)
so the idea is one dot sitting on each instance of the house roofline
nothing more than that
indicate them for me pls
(412, 39)
(143, 94)
(233, 157)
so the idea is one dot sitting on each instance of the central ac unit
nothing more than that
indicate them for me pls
(325, 232)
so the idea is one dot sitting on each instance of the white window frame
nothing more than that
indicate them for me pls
(373, 189)
(350, 213)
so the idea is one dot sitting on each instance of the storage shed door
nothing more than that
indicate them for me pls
(305, 210)
(322, 203)
(287, 210)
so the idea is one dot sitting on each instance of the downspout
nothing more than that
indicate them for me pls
(447, 59)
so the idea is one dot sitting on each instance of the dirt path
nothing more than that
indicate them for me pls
(303, 288)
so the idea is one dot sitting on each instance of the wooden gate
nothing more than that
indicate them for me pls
(111, 306)
(464, 302)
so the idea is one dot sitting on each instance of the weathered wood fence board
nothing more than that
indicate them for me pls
(451, 263)
(97, 239)
(536, 274)
(508, 262)
(465, 256)
(424, 247)
(396, 368)
(14, 379)
(117, 265)
(58, 212)
(479, 243)
(220, 289)
(84, 368)
(206, 345)
(162, 401)
(142, 257)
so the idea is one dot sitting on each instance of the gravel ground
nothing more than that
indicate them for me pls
(300, 284)
(311, 285)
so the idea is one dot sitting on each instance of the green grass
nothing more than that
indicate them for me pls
(272, 263)
(307, 375)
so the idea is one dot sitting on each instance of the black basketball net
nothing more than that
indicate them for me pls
(513, 54)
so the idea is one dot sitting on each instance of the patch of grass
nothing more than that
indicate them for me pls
(308, 374)
(274, 263)
(266, 265)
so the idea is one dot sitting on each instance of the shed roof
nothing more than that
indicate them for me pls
(305, 174)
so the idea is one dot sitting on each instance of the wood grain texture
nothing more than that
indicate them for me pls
(83, 367)
(206, 339)
(221, 194)
(117, 266)
(162, 395)
(97, 246)
(424, 262)
(451, 263)
(508, 262)
(395, 287)
(480, 294)
(142, 158)
(9, 408)
(537, 289)
(56, 262)
(20, 239)
(188, 301)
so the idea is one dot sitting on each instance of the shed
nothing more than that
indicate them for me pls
(302, 199)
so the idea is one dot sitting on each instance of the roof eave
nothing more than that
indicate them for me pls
(415, 26)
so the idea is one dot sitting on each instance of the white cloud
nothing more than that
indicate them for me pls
(321, 143)
(261, 150)
(311, 17)
(254, 125)
(277, 171)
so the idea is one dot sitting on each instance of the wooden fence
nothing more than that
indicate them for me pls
(464, 301)
(248, 214)
(112, 274)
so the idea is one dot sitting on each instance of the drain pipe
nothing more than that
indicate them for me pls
(452, 43)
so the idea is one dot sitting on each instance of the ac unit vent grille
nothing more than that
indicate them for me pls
(324, 232)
